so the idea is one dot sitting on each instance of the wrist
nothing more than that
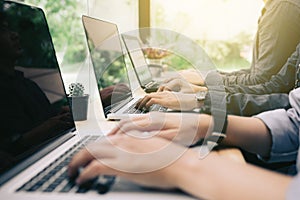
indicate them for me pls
(197, 88)
(196, 168)
(202, 126)
(178, 177)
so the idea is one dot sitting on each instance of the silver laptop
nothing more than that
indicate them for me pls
(139, 63)
(110, 70)
(38, 135)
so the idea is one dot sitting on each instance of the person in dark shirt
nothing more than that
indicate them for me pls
(243, 100)
(265, 85)
(276, 39)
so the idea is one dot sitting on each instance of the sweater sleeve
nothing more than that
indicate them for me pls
(282, 82)
(277, 36)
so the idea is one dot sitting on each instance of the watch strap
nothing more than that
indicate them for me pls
(218, 109)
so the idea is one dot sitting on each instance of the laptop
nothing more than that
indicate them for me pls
(141, 67)
(38, 134)
(110, 70)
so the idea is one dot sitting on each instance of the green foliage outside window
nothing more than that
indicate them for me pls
(227, 55)
(64, 21)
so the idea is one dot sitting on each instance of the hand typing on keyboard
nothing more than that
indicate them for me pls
(129, 157)
(102, 184)
(172, 100)
(182, 128)
(54, 177)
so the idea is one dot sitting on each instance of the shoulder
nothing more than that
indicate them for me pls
(273, 4)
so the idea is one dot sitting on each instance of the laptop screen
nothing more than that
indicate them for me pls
(108, 62)
(138, 59)
(34, 107)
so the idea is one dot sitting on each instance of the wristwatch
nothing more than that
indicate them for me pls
(215, 106)
(200, 96)
(218, 132)
(220, 125)
(218, 111)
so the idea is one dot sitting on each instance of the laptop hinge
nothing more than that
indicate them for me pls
(120, 105)
(150, 84)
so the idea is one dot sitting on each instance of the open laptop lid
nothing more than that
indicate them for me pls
(108, 62)
(138, 60)
(34, 107)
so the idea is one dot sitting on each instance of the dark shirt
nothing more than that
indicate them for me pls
(249, 100)
(282, 82)
(276, 39)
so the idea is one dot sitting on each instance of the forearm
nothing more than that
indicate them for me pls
(242, 71)
(219, 178)
(250, 134)
(282, 82)
(192, 76)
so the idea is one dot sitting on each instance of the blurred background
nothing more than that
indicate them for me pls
(224, 28)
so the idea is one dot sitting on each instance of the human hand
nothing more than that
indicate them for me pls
(57, 123)
(49, 128)
(183, 128)
(192, 76)
(177, 85)
(132, 158)
(180, 85)
(64, 109)
(172, 100)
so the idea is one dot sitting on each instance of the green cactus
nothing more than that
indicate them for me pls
(76, 90)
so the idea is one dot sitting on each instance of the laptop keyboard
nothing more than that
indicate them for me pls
(54, 177)
(133, 110)
(155, 107)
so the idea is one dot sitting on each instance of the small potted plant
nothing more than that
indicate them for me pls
(78, 101)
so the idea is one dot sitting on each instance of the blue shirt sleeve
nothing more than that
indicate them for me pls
(284, 129)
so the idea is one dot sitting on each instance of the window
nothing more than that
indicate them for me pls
(64, 20)
(224, 28)
(124, 13)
